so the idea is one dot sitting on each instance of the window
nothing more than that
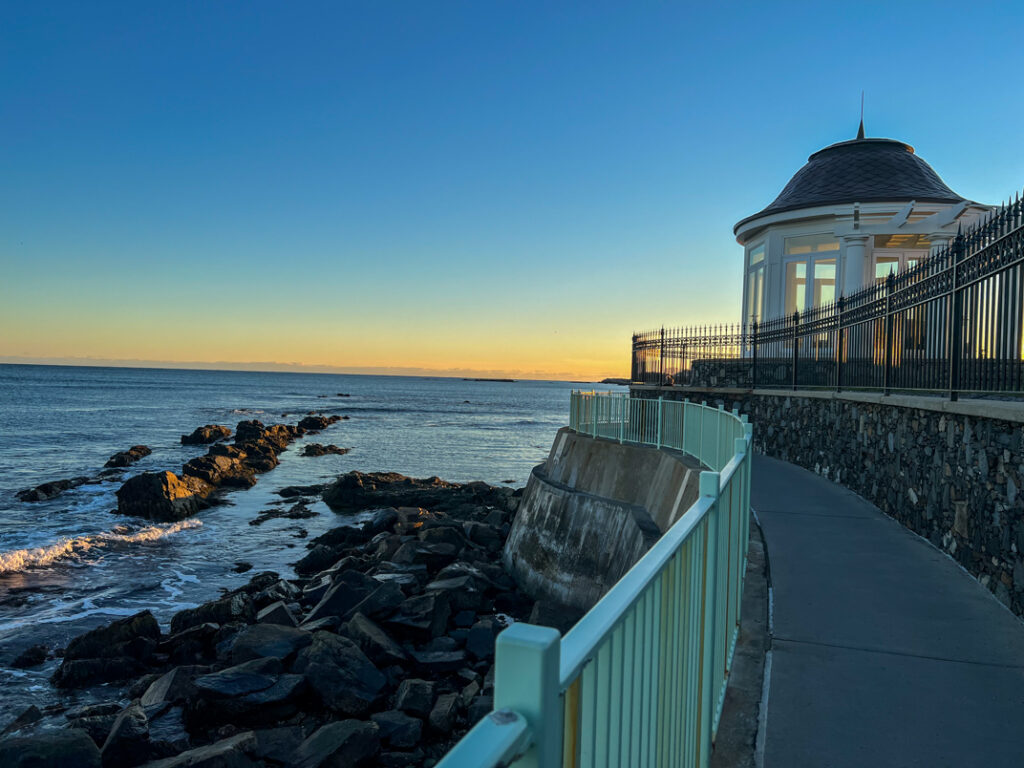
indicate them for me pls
(757, 255)
(884, 265)
(755, 294)
(823, 243)
(824, 282)
(796, 287)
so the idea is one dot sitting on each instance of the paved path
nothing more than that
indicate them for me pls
(884, 652)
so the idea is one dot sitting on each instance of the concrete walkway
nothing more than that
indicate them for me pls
(883, 652)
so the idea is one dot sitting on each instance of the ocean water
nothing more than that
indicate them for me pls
(72, 563)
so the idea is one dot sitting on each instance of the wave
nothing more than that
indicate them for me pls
(20, 559)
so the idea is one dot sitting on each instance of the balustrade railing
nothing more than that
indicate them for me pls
(640, 680)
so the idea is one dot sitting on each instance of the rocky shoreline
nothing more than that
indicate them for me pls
(379, 652)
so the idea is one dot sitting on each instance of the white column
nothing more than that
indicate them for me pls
(854, 260)
(939, 240)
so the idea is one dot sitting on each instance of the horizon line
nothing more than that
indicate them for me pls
(300, 368)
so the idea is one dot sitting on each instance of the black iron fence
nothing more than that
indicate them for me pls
(954, 324)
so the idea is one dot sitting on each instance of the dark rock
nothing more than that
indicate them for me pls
(319, 557)
(380, 602)
(480, 641)
(278, 744)
(479, 709)
(236, 607)
(172, 687)
(97, 726)
(93, 710)
(49, 490)
(433, 556)
(251, 431)
(382, 520)
(242, 567)
(443, 534)
(326, 624)
(464, 619)
(30, 657)
(397, 729)
(79, 673)
(276, 613)
(442, 716)
(229, 753)
(296, 512)
(485, 535)
(339, 745)
(314, 423)
(128, 741)
(422, 617)
(167, 732)
(195, 644)
(65, 748)
(439, 662)
(346, 681)
(241, 679)
(129, 457)
(221, 470)
(28, 716)
(315, 449)
(374, 642)
(119, 638)
(291, 491)
(268, 640)
(415, 697)
(340, 599)
(358, 490)
(162, 496)
(205, 435)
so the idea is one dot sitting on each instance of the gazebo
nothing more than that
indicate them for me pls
(855, 212)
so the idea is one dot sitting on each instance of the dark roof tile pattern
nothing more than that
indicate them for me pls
(860, 171)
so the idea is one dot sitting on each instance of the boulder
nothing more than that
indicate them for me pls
(65, 748)
(397, 729)
(314, 423)
(340, 599)
(442, 716)
(129, 457)
(278, 744)
(220, 470)
(28, 716)
(422, 618)
(320, 556)
(316, 449)
(30, 657)
(374, 642)
(276, 613)
(236, 607)
(205, 435)
(173, 687)
(415, 697)
(481, 637)
(382, 601)
(251, 431)
(259, 641)
(189, 646)
(229, 753)
(346, 681)
(128, 740)
(255, 693)
(80, 673)
(339, 745)
(162, 496)
(167, 732)
(436, 663)
(135, 636)
(361, 490)
(49, 490)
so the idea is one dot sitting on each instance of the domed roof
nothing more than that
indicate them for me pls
(860, 171)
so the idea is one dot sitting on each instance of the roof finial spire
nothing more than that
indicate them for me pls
(860, 131)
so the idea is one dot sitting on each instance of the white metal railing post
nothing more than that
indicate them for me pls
(526, 680)
(709, 482)
(623, 415)
(661, 400)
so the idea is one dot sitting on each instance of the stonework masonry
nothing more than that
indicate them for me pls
(953, 472)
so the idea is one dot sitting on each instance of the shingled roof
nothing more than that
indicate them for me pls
(860, 171)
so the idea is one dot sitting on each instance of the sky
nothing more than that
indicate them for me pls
(475, 188)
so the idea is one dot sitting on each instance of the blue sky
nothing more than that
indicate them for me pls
(491, 187)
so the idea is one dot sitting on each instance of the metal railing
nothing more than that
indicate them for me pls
(952, 324)
(640, 680)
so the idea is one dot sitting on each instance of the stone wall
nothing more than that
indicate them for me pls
(951, 472)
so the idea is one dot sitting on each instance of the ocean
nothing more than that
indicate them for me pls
(71, 563)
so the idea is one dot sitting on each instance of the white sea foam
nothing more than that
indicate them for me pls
(20, 559)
